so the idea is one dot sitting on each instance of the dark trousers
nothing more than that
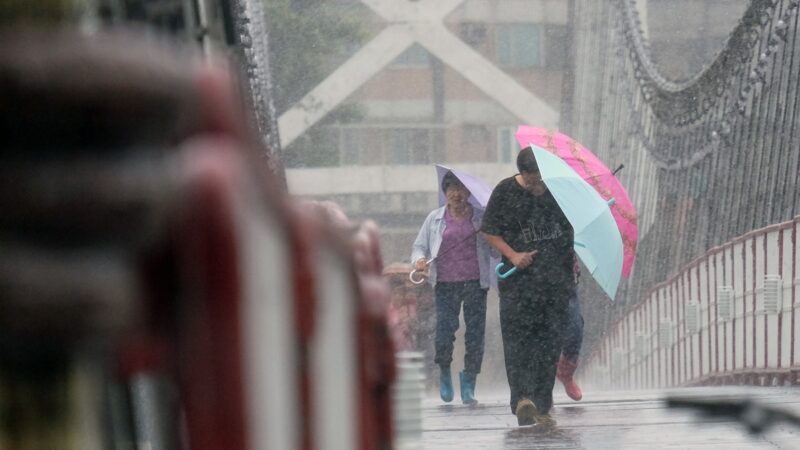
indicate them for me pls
(449, 297)
(532, 320)
(573, 333)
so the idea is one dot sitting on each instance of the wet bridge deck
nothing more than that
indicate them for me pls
(609, 421)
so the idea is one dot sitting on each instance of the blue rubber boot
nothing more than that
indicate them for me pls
(445, 384)
(467, 381)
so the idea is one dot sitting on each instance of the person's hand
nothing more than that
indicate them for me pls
(421, 265)
(521, 260)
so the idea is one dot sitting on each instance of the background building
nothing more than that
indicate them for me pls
(425, 106)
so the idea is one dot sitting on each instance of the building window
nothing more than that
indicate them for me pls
(475, 136)
(475, 145)
(414, 56)
(364, 145)
(506, 145)
(350, 144)
(474, 34)
(411, 146)
(519, 45)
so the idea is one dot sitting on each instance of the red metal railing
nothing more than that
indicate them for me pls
(728, 317)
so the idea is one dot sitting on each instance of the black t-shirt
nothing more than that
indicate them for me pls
(528, 222)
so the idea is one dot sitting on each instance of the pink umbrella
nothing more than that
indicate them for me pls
(591, 169)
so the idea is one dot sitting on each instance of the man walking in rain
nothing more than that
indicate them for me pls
(526, 225)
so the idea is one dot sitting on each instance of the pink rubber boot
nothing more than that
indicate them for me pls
(564, 373)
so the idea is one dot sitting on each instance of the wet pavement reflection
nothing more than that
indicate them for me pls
(608, 421)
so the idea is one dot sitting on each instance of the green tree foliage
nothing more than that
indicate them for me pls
(38, 12)
(308, 39)
(305, 37)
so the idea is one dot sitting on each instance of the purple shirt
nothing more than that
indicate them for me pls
(458, 260)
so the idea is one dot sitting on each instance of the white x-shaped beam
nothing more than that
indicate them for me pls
(410, 22)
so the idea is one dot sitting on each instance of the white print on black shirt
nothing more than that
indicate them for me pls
(542, 232)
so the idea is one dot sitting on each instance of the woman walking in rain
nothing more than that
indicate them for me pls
(460, 275)
(526, 225)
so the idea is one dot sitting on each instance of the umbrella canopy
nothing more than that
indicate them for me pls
(591, 169)
(597, 239)
(479, 197)
(478, 189)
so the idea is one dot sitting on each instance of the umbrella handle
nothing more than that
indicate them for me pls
(413, 280)
(506, 274)
(422, 279)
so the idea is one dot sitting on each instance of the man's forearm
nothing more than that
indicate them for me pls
(499, 244)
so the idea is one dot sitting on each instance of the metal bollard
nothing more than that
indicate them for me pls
(407, 394)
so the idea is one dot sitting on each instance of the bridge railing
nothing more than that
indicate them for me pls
(707, 158)
(728, 317)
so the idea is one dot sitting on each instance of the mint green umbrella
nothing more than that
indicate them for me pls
(597, 239)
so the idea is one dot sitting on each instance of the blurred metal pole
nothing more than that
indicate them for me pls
(154, 401)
